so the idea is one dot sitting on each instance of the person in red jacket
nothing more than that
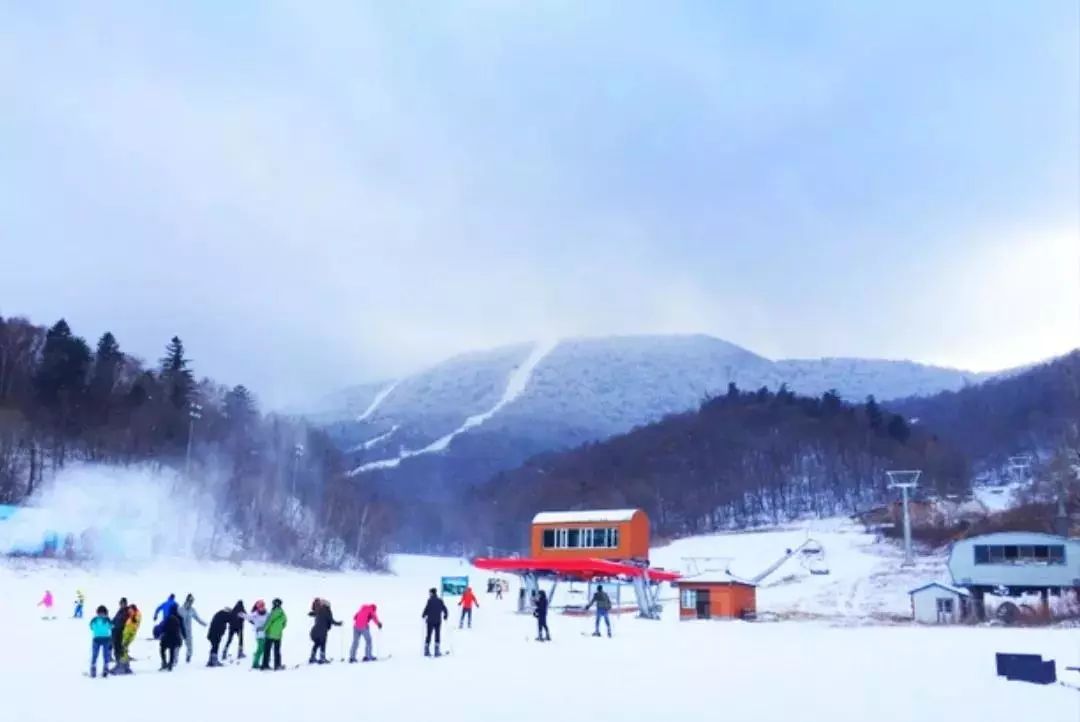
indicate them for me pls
(362, 628)
(468, 601)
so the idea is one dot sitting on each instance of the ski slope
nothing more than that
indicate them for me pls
(375, 440)
(377, 401)
(865, 583)
(838, 668)
(515, 387)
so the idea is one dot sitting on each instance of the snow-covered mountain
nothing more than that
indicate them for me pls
(489, 410)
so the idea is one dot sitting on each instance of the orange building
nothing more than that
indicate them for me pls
(615, 534)
(716, 595)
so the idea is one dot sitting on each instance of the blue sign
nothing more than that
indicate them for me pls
(454, 585)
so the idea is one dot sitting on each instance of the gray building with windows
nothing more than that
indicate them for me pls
(1015, 563)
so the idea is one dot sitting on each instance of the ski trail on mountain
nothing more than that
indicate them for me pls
(515, 387)
(377, 401)
(373, 441)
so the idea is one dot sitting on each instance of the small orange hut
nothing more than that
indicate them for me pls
(716, 595)
(613, 534)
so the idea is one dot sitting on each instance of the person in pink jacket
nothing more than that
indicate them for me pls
(47, 602)
(362, 628)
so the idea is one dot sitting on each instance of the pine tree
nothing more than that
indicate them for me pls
(873, 413)
(179, 380)
(239, 407)
(107, 362)
(898, 429)
(61, 375)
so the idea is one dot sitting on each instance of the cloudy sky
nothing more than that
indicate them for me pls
(314, 194)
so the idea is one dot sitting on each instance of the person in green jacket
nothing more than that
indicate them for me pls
(275, 627)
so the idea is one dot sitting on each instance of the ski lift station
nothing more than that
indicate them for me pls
(1015, 563)
(590, 546)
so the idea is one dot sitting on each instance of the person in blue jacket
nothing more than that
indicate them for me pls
(165, 609)
(101, 630)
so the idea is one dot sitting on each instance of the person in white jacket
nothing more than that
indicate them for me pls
(188, 614)
(258, 617)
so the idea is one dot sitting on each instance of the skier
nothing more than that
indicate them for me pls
(165, 610)
(603, 607)
(172, 637)
(543, 634)
(362, 628)
(101, 630)
(47, 602)
(275, 627)
(118, 631)
(324, 619)
(498, 590)
(236, 629)
(218, 624)
(80, 600)
(434, 613)
(468, 600)
(258, 619)
(131, 628)
(188, 615)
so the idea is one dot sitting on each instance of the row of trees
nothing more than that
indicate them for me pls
(743, 458)
(279, 484)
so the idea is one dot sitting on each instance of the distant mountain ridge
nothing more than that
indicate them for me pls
(459, 421)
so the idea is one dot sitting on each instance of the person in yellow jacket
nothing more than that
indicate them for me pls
(131, 628)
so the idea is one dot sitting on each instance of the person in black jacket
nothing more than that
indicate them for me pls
(118, 630)
(236, 629)
(324, 619)
(540, 612)
(172, 638)
(218, 624)
(434, 614)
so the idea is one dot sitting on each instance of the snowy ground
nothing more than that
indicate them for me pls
(836, 663)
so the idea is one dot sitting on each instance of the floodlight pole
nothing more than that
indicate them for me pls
(194, 413)
(904, 486)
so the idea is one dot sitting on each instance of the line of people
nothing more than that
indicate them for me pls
(111, 638)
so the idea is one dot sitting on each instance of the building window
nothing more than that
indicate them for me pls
(599, 538)
(945, 606)
(689, 598)
(1020, 554)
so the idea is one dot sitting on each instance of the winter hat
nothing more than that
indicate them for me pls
(260, 604)
(276, 602)
(102, 610)
(189, 599)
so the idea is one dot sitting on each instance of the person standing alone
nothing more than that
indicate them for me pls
(468, 601)
(603, 608)
(543, 634)
(434, 613)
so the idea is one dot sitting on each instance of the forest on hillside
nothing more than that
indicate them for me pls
(1035, 413)
(742, 459)
(278, 484)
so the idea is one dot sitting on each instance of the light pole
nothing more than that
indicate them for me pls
(905, 480)
(194, 413)
(298, 451)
